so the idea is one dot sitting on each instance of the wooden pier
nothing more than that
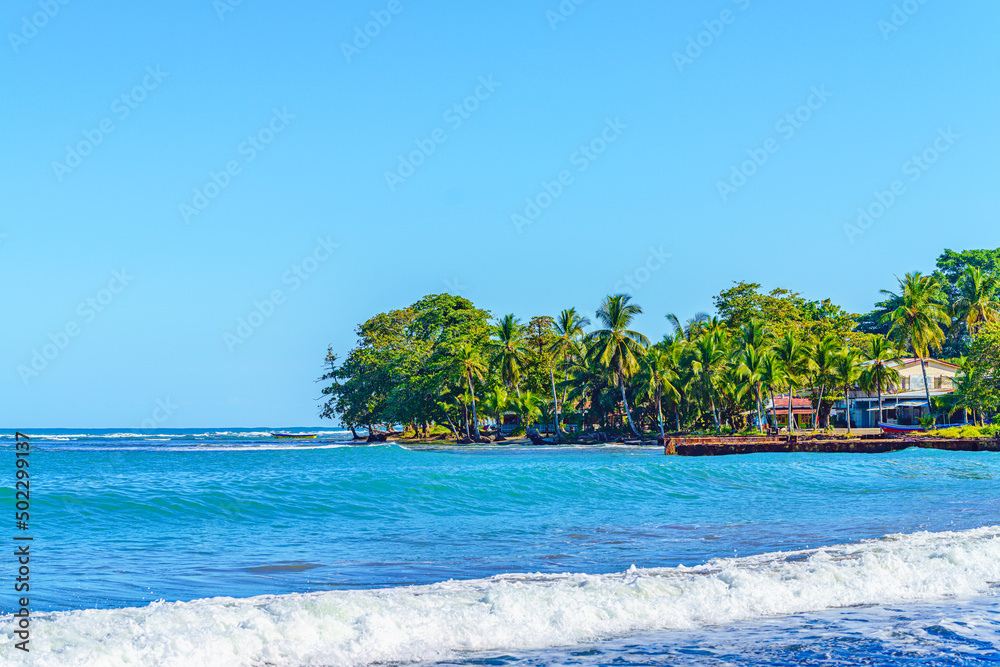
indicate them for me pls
(726, 445)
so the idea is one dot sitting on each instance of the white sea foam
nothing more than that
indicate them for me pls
(515, 611)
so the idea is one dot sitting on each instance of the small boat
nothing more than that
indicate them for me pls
(294, 436)
(890, 429)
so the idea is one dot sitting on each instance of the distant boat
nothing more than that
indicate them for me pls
(294, 436)
(896, 428)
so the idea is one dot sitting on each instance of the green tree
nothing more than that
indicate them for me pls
(616, 347)
(473, 368)
(917, 322)
(793, 357)
(977, 304)
(880, 372)
(509, 351)
(708, 359)
(847, 370)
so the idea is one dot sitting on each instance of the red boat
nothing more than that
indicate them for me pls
(897, 429)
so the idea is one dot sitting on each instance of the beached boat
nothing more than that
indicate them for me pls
(890, 429)
(294, 436)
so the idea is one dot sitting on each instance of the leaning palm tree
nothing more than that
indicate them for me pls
(847, 370)
(616, 347)
(881, 372)
(977, 303)
(472, 367)
(508, 350)
(795, 363)
(917, 323)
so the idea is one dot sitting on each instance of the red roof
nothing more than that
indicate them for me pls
(781, 401)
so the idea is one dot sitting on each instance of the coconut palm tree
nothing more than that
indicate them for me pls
(880, 372)
(495, 404)
(616, 347)
(794, 359)
(692, 328)
(708, 359)
(750, 369)
(977, 304)
(508, 350)
(472, 366)
(772, 375)
(566, 345)
(660, 376)
(823, 355)
(847, 370)
(917, 323)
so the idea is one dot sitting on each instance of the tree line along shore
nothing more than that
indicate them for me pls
(442, 368)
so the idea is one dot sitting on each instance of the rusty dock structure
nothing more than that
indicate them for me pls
(729, 445)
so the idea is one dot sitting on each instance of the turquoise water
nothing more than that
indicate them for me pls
(490, 555)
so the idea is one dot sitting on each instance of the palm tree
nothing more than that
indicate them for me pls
(708, 358)
(771, 375)
(795, 362)
(750, 368)
(528, 407)
(569, 330)
(509, 351)
(823, 356)
(917, 322)
(690, 330)
(472, 366)
(881, 372)
(495, 403)
(661, 375)
(847, 370)
(616, 347)
(977, 303)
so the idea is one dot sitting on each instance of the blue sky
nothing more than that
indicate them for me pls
(217, 154)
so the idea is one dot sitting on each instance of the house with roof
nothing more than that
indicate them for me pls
(802, 411)
(905, 404)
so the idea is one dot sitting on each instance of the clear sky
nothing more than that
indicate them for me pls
(214, 153)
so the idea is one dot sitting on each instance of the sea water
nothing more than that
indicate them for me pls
(227, 547)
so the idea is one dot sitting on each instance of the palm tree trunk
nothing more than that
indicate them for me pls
(715, 413)
(847, 406)
(465, 413)
(677, 417)
(790, 401)
(760, 410)
(927, 387)
(555, 401)
(659, 414)
(879, 385)
(819, 406)
(628, 413)
(475, 419)
(774, 408)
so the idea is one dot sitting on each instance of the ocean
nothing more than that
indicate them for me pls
(226, 547)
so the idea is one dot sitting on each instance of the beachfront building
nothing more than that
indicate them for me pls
(906, 404)
(802, 411)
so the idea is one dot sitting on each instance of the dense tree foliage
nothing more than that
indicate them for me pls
(442, 362)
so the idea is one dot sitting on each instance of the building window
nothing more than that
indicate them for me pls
(906, 383)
